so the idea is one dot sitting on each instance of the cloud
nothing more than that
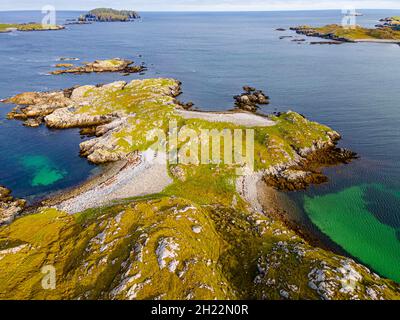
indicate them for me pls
(200, 5)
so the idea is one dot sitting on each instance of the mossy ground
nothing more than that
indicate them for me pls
(198, 239)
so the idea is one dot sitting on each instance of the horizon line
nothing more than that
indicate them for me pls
(193, 11)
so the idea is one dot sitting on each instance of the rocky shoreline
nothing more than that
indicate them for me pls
(307, 170)
(312, 32)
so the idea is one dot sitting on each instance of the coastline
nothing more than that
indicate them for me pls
(108, 225)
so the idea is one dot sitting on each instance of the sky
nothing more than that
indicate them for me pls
(200, 5)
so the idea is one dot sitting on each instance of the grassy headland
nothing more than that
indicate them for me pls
(202, 237)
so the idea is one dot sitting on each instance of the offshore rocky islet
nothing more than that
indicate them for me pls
(100, 66)
(158, 245)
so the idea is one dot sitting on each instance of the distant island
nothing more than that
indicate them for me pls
(109, 15)
(31, 26)
(335, 32)
(109, 65)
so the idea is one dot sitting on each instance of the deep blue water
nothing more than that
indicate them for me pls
(354, 88)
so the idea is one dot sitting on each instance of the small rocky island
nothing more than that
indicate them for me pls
(148, 229)
(339, 34)
(109, 15)
(251, 99)
(99, 66)
(9, 27)
(391, 22)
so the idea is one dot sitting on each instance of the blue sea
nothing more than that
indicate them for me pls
(354, 88)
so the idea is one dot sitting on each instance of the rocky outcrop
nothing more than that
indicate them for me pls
(324, 276)
(32, 107)
(306, 167)
(99, 66)
(64, 65)
(67, 118)
(86, 107)
(9, 207)
(68, 59)
(389, 22)
(250, 99)
(326, 42)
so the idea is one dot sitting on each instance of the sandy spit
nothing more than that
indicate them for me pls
(146, 174)
(239, 118)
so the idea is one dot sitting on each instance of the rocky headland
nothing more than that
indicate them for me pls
(151, 229)
(99, 66)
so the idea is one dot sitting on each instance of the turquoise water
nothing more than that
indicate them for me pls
(351, 87)
(44, 172)
(354, 219)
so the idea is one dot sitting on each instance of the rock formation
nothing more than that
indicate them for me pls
(111, 65)
(9, 207)
(250, 99)
(391, 22)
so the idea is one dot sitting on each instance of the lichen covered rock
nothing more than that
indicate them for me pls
(9, 207)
